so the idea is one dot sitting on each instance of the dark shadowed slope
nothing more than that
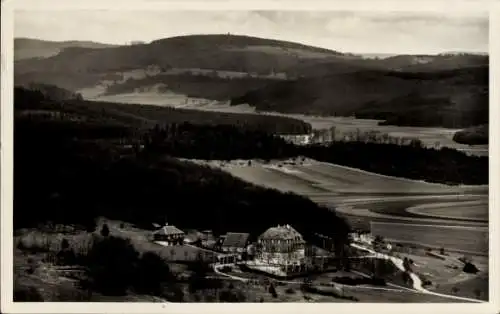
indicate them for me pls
(218, 52)
(453, 98)
(26, 48)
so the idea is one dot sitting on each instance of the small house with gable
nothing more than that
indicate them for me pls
(169, 235)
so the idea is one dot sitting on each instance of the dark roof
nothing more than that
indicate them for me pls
(169, 230)
(234, 239)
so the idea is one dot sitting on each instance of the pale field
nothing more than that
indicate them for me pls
(273, 179)
(324, 181)
(429, 136)
(473, 210)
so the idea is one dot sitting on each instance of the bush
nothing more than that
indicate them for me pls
(66, 257)
(272, 291)
(111, 265)
(470, 268)
(290, 291)
(334, 294)
(406, 277)
(406, 264)
(105, 230)
(64, 244)
(152, 272)
(426, 282)
(353, 281)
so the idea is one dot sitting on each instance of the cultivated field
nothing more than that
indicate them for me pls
(468, 239)
(324, 182)
(473, 210)
(403, 207)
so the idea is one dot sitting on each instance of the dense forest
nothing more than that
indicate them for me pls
(65, 174)
(216, 142)
(142, 117)
(412, 161)
(478, 135)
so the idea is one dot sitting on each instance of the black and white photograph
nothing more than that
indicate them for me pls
(223, 155)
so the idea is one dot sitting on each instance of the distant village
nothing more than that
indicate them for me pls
(325, 136)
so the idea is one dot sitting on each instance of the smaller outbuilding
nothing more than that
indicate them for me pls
(170, 235)
(235, 242)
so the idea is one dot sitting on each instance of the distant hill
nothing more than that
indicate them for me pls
(80, 68)
(280, 76)
(453, 98)
(27, 48)
(444, 61)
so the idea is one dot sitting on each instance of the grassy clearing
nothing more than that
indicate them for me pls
(272, 179)
(477, 288)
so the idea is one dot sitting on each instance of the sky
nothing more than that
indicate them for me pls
(356, 31)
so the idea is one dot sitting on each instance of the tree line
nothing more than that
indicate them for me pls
(67, 175)
(402, 159)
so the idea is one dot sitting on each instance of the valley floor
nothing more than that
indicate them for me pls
(429, 136)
